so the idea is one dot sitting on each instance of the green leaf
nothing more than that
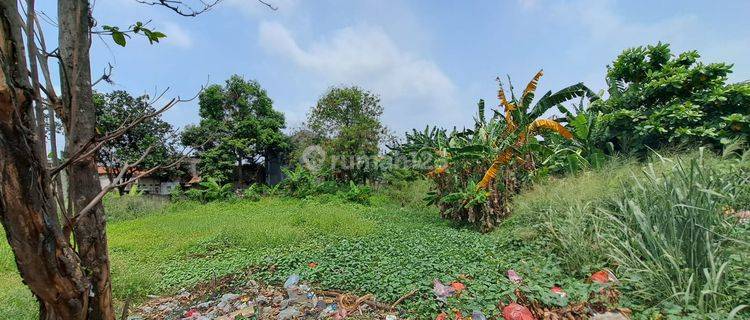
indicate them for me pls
(119, 38)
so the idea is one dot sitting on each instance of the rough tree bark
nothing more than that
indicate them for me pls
(45, 260)
(90, 231)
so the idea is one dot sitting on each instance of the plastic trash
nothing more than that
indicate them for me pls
(442, 316)
(515, 311)
(458, 286)
(514, 277)
(558, 290)
(478, 315)
(603, 276)
(291, 281)
(442, 291)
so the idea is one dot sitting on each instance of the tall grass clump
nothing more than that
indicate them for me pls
(669, 235)
(132, 205)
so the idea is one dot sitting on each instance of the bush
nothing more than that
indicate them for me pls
(668, 234)
(357, 194)
(253, 193)
(211, 190)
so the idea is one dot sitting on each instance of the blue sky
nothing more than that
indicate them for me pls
(430, 61)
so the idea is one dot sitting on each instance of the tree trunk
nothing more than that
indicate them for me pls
(75, 23)
(45, 260)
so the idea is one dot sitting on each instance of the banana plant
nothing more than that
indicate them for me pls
(523, 123)
(478, 170)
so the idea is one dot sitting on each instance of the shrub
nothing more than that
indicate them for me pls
(253, 193)
(357, 194)
(210, 190)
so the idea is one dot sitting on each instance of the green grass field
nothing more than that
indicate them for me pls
(385, 249)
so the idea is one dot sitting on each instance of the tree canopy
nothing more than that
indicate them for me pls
(118, 107)
(348, 121)
(238, 126)
(659, 99)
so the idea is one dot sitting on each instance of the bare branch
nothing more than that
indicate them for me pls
(106, 75)
(268, 5)
(96, 143)
(181, 8)
(119, 182)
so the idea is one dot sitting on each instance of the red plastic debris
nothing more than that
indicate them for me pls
(515, 311)
(458, 286)
(312, 265)
(559, 291)
(192, 313)
(603, 276)
(442, 316)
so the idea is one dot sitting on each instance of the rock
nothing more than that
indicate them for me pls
(261, 300)
(203, 305)
(135, 318)
(289, 314)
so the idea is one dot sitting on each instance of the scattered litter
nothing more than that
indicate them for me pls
(478, 315)
(458, 286)
(291, 281)
(514, 277)
(603, 276)
(442, 291)
(558, 290)
(515, 311)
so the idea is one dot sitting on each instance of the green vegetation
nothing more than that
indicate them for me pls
(118, 107)
(479, 170)
(657, 99)
(555, 207)
(346, 125)
(238, 126)
(397, 244)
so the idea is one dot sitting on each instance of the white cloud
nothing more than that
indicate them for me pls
(367, 56)
(603, 23)
(176, 35)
